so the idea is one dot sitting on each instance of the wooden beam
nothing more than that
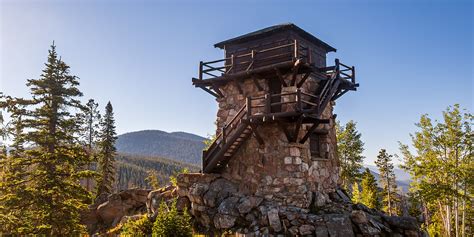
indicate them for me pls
(256, 134)
(282, 79)
(303, 79)
(209, 91)
(308, 133)
(297, 128)
(217, 90)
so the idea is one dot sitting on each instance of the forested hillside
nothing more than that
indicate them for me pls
(132, 170)
(179, 146)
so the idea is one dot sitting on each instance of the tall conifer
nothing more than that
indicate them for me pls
(369, 194)
(107, 152)
(349, 150)
(387, 179)
(51, 197)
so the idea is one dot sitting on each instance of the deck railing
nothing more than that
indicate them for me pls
(286, 52)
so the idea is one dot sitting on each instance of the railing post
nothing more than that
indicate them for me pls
(296, 50)
(268, 103)
(299, 104)
(231, 63)
(353, 75)
(249, 106)
(200, 70)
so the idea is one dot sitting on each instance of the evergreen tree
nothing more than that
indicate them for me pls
(349, 150)
(356, 196)
(441, 169)
(387, 179)
(46, 198)
(369, 194)
(89, 133)
(107, 152)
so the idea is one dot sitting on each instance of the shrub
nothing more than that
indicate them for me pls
(140, 227)
(169, 222)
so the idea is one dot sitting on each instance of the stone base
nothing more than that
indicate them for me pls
(217, 206)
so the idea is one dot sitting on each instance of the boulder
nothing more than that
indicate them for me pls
(359, 217)
(228, 206)
(339, 225)
(222, 221)
(274, 220)
(306, 229)
(402, 222)
(248, 203)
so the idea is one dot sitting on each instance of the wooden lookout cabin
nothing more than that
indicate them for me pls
(275, 93)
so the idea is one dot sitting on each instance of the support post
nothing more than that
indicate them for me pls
(200, 70)
(299, 104)
(353, 75)
(296, 50)
(268, 103)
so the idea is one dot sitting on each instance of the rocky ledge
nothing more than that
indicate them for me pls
(216, 206)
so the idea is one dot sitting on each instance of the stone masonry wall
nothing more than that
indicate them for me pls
(278, 170)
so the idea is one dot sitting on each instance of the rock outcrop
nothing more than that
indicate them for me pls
(109, 210)
(216, 205)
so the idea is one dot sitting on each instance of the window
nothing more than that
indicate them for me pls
(318, 149)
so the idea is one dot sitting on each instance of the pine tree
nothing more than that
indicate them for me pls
(89, 133)
(356, 195)
(387, 179)
(107, 152)
(349, 150)
(51, 200)
(369, 194)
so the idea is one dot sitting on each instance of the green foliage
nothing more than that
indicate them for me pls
(107, 152)
(389, 184)
(152, 179)
(141, 227)
(356, 195)
(169, 222)
(40, 192)
(369, 194)
(349, 151)
(441, 168)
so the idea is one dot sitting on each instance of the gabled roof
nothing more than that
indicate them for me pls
(275, 29)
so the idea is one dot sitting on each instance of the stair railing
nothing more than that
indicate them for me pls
(226, 131)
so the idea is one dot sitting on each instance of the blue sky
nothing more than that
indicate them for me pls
(411, 57)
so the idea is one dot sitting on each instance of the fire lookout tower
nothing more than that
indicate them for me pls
(275, 95)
